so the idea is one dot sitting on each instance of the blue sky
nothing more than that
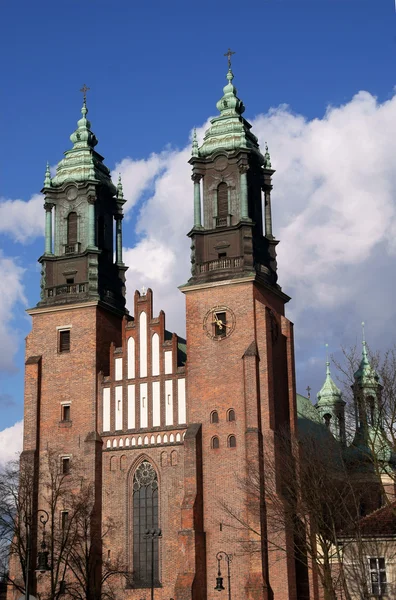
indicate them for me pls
(156, 70)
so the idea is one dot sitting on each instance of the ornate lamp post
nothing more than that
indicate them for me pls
(42, 556)
(152, 534)
(219, 579)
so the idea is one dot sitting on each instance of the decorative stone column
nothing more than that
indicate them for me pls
(48, 227)
(91, 222)
(197, 199)
(244, 192)
(118, 220)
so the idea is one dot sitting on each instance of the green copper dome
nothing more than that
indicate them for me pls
(366, 374)
(330, 393)
(82, 162)
(229, 131)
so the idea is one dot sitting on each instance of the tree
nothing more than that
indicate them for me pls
(73, 532)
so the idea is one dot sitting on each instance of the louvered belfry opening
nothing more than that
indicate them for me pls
(72, 229)
(222, 202)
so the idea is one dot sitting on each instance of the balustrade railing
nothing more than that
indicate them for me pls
(67, 289)
(220, 264)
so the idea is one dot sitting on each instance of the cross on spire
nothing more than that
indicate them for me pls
(84, 90)
(229, 53)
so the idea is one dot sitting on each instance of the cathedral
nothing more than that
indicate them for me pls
(162, 427)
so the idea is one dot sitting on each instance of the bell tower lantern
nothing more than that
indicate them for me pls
(232, 233)
(81, 205)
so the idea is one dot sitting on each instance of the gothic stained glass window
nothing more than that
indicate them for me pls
(145, 516)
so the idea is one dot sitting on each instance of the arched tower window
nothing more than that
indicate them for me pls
(72, 229)
(145, 516)
(215, 443)
(231, 415)
(214, 417)
(222, 201)
(327, 419)
(231, 441)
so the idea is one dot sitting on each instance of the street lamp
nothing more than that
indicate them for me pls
(42, 556)
(152, 534)
(219, 579)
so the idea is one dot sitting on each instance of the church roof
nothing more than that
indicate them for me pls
(229, 131)
(366, 374)
(82, 162)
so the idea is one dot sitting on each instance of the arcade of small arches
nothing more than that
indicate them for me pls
(152, 440)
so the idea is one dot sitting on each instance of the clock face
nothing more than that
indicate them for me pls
(71, 193)
(219, 322)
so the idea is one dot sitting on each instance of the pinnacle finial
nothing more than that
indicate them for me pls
(194, 150)
(47, 180)
(327, 360)
(364, 351)
(267, 158)
(120, 190)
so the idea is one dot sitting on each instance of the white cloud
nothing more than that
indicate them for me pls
(11, 442)
(11, 292)
(22, 221)
(334, 208)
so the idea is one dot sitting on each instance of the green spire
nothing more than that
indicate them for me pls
(82, 162)
(47, 180)
(366, 374)
(267, 158)
(229, 131)
(330, 393)
(194, 150)
(120, 191)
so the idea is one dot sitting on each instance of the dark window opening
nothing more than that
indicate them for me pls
(64, 519)
(327, 419)
(65, 466)
(64, 340)
(378, 576)
(371, 407)
(222, 255)
(231, 415)
(220, 324)
(222, 200)
(232, 441)
(214, 417)
(72, 229)
(215, 443)
(70, 280)
(145, 516)
(66, 412)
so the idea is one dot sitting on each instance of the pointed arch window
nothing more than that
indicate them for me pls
(145, 516)
(72, 229)
(222, 204)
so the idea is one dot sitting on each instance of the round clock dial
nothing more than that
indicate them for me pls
(219, 322)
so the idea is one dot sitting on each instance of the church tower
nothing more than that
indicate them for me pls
(240, 367)
(331, 407)
(77, 318)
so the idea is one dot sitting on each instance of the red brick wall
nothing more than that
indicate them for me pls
(219, 379)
